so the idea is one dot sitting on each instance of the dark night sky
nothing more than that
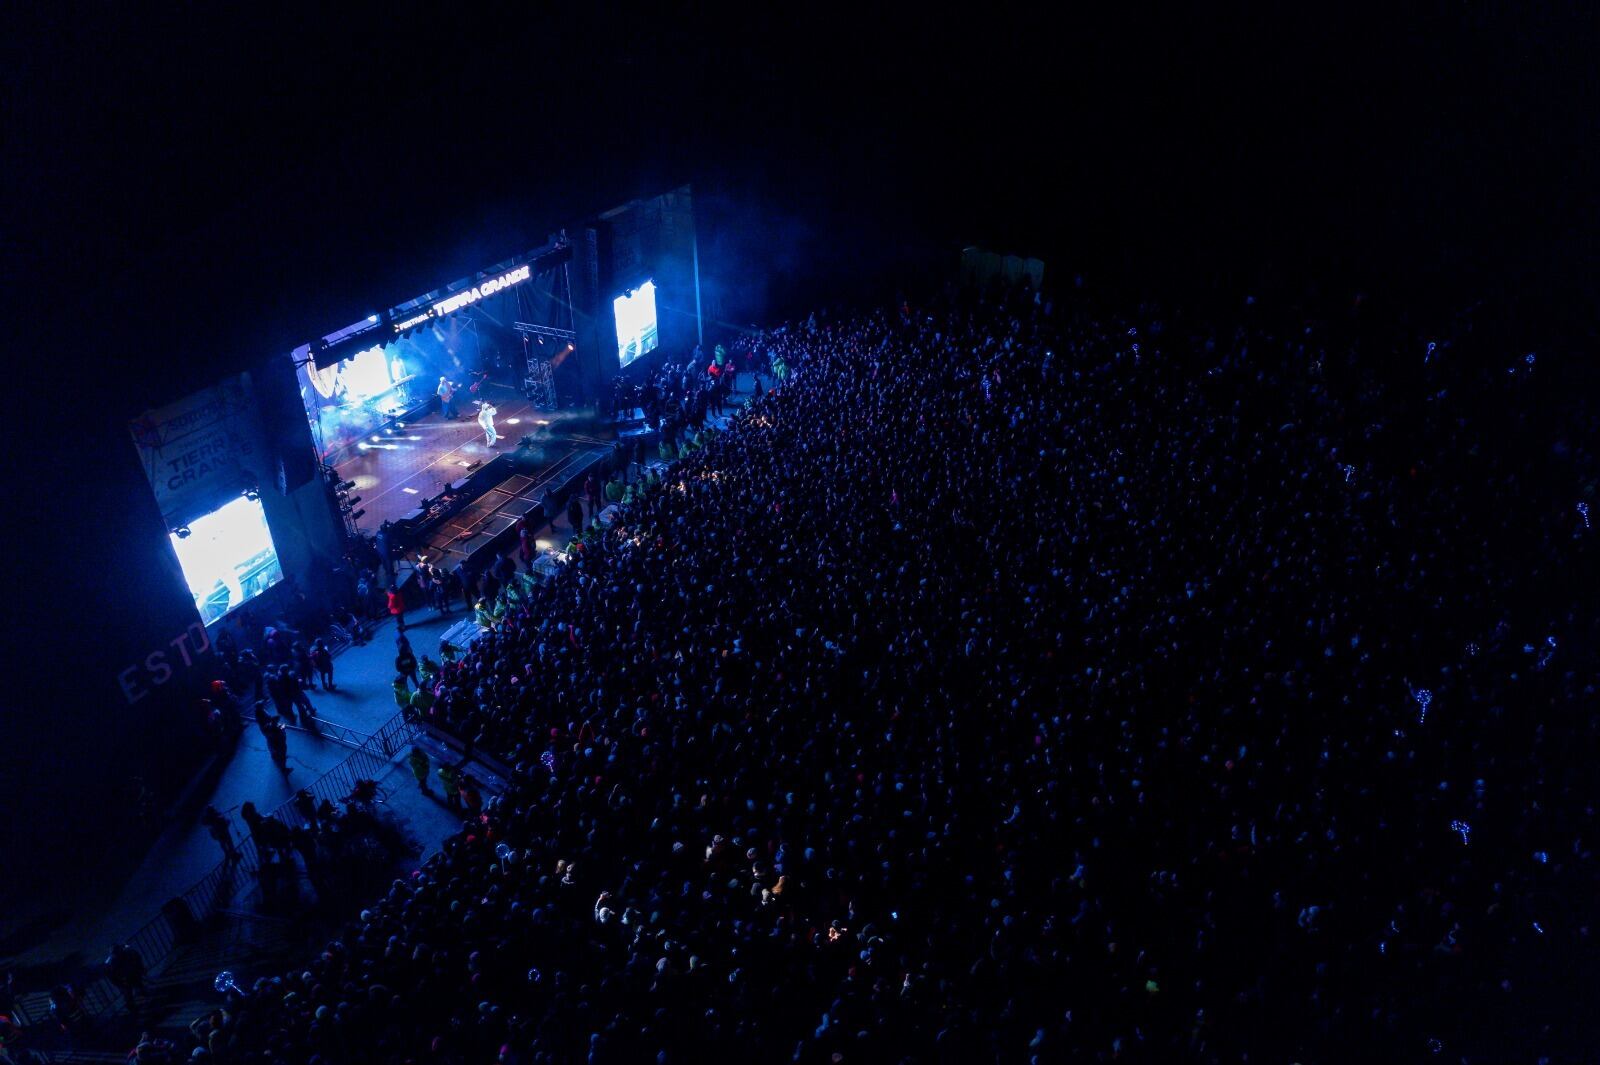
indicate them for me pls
(287, 174)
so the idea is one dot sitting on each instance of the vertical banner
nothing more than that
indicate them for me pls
(201, 450)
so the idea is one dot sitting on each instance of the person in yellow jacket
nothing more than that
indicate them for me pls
(420, 767)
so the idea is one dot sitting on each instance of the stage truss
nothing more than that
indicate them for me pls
(540, 384)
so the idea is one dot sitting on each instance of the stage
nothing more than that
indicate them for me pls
(400, 474)
(395, 470)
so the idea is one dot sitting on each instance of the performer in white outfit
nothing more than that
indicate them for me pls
(486, 413)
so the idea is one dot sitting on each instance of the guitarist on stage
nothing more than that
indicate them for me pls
(447, 398)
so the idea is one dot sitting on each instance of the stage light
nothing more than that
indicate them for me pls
(399, 425)
(365, 446)
(345, 486)
(513, 421)
(376, 439)
(356, 514)
(252, 495)
(351, 501)
(181, 532)
(413, 438)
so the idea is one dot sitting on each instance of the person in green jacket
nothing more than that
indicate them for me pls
(450, 784)
(614, 490)
(402, 692)
(420, 767)
(422, 701)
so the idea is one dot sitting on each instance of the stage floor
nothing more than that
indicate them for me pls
(395, 471)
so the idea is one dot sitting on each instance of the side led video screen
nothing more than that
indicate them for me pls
(636, 323)
(228, 557)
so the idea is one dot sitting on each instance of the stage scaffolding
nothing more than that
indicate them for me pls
(540, 384)
(547, 334)
(539, 381)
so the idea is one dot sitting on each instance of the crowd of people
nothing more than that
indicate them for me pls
(1021, 683)
(676, 395)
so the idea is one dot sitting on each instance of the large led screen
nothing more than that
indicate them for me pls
(227, 557)
(636, 322)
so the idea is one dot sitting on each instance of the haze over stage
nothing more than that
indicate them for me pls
(394, 472)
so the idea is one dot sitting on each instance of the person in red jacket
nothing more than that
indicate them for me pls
(397, 607)
(527, 547)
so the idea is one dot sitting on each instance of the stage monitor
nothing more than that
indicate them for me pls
(637, 333)
(227, 557)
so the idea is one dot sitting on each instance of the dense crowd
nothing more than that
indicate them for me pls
(1017, 683)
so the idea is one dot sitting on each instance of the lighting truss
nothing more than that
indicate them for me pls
(527, 329)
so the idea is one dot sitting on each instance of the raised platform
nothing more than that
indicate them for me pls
(398, 471)
(487, 525)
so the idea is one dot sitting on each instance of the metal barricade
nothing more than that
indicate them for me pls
(159, 938)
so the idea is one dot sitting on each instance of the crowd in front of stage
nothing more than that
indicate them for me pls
(1018, 683)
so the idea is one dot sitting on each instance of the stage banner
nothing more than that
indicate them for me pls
(201, 450)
